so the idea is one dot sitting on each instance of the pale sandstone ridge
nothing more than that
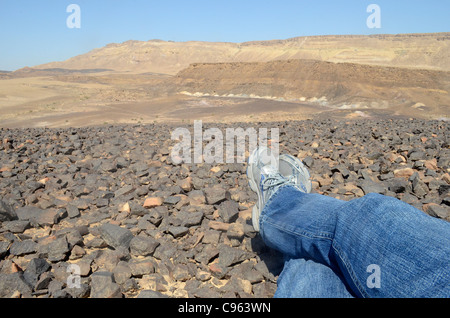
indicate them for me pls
(428, 51)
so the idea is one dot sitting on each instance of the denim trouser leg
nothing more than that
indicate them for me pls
(303, 278)
(379, 246)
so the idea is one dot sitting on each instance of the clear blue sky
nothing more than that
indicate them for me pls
(34, 32)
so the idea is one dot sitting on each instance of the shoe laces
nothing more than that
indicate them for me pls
(293, 181)
(272, 182)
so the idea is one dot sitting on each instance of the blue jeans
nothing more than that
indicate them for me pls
(375, 246)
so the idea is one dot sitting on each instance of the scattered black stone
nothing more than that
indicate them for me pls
(7, 212)
(151, 294)
(104, 286)
(35, 268)
(13, 283)
(75, 196)
(143, 246)
(116, 236)
(228, 211)
(20, 248)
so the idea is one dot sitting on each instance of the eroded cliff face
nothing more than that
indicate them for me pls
(341, 85)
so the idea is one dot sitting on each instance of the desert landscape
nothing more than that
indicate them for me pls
(87, 178)
(294, 79)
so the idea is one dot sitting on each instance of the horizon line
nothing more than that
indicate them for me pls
(375, 35)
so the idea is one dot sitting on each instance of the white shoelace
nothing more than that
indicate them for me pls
(274, 181)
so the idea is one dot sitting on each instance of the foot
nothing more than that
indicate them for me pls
(264, 179)
(266, 176)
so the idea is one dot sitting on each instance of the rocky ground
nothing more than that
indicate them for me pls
(110, 200)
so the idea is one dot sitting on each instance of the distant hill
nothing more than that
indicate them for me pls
(31, 72)
(425, 51)
(338, 85)
(4, 74)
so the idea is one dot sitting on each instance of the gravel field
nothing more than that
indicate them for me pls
(104, 212)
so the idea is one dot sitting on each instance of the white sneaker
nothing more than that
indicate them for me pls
(264, 179)
(266, 175)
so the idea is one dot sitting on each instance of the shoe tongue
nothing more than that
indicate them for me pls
(269, 170)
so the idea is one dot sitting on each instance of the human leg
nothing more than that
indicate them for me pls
(374, 238)
(302, 278)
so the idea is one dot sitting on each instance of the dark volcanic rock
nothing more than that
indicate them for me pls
(397, 185)
(72, 211)
(178, 231)
(104, 286)
(35, 268)
(37, 216)
(442, 212)
(229, 210)
(19, 248)
(58, 249)
(116, 236)
(215, 195)
(7, 212)
(10, 283)
(151, 294)
(111, 201)
(4, 247)
(16, 226)
(143, 246)
(229, 256)
(369, 186)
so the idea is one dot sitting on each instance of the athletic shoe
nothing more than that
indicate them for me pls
(293, 169)
(264, 179)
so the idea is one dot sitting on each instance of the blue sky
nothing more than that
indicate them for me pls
(34, 32)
